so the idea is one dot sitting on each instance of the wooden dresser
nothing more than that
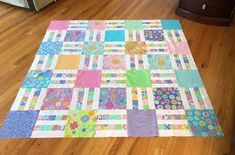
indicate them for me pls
(218, 12)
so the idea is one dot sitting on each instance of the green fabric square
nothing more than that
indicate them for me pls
(188, 78)
(134, 25)
(138, 78)
(118, 127)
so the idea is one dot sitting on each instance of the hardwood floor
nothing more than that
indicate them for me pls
(213, 48)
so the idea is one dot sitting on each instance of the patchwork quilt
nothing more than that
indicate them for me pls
(112, 78)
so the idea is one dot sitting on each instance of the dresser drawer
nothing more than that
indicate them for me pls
(210, 8)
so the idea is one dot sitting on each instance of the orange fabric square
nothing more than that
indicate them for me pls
(68, 62)
(135, 47)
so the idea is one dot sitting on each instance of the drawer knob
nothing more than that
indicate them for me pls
(203, 6)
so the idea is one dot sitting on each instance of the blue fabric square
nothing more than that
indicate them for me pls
(171, 24)
(188, 78)
(37, 79)
(19, 124)
(50, 48)
(114, 35)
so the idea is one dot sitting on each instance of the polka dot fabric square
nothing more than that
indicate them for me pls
(167, 98)
(204, 123)
(112, 78)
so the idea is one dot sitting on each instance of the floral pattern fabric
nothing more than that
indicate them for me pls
(81, 123)
(167, 98)
(112, 98)
(37, 79)
(112, 78)
(204, 123)
(57, 99)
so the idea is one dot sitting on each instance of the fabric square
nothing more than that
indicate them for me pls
(204, 123)
(19, 124)
(114, 35)
(141, 123)
(159, 61)
(68, 62)
(170, 24)
(58, 25)
(75, 36)
(49, 48)
(178, 47)
(57, 99)
(167, 98)
(93, 48)
(81, 123)
(188, 78)
(135, 47)
(134, 25)
(88, 79)
(37, 79)
(138, 78)
(114, 62)
(154, 35)
(96, 25)
(112, 98)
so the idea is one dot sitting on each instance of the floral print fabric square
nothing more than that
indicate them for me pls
(204, 123)
(154, 35)
(112, 98)
(160, 61)
(167, 98)
(75, 36)
(112, 78)
(93, 48)
(57, 99)
(50, 48)
(114, 62)
(37, 79)
(135, 47)
(81, 123)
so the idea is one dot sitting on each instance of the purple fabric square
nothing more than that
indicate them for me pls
(19, 124)
(142, 123)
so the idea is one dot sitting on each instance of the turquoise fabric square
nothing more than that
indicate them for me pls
(170, 24)
(188, 78)
(159, 61)
(114, 35)
(204, 123)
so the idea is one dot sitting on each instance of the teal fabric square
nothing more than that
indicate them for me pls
(93, 48)
(204, 123)
(159, 61)
(134, 25)
(188, 78)
(170, 24)
(114, 35)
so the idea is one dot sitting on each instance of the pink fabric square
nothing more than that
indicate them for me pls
(178, 47)
(88, 79)
(58, 25)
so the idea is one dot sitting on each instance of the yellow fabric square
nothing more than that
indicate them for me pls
(67, 62)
